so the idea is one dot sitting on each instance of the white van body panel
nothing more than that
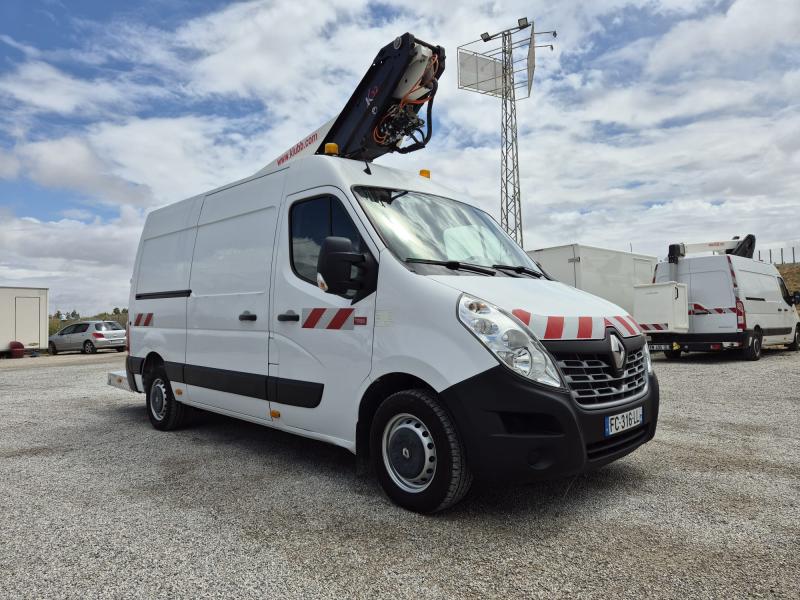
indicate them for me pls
(609, 274)
(231, 274)
(419, 334)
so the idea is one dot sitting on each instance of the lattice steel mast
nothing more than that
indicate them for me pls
(493, 72)
(510, 199)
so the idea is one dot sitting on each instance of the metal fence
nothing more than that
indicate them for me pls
(778, 256)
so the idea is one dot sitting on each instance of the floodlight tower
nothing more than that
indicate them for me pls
(493, 72)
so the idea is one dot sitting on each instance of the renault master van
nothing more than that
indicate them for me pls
(733, 303)
(383, 313)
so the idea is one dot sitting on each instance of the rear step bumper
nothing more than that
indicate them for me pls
(119, 379)
(699, 342)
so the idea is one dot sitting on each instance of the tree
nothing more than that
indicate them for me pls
(116, 311)
(74, 314)
(58, 315)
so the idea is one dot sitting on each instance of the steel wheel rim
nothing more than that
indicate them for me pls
(409, 453)
(158, 399)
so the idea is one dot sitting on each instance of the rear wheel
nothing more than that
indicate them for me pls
(164, 411)
(51, 348)
(753, 351)
(89, 347)
(795, 345)
(120, 349)
(672, 354)
(417, 453)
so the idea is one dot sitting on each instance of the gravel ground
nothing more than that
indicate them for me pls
(96, 503)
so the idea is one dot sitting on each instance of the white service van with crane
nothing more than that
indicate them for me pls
(719, 299)
(377, 310)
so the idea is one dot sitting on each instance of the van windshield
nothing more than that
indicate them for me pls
(415, 225)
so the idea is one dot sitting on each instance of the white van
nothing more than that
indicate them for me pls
(734, 302)
(375, 310)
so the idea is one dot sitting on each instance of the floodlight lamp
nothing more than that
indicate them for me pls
(486, 37)
(523, 22)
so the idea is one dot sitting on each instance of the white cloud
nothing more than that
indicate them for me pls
(87, 266)
(9, 165)
(70, 163)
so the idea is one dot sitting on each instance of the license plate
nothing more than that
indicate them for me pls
(659, 347)
(615, 424)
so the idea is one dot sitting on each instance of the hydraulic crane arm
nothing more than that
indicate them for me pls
(384, 108)
(737, 247)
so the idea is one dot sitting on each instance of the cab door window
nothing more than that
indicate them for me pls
(784, 291)
(310, 222)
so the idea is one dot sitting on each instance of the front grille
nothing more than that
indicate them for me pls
(593, 381)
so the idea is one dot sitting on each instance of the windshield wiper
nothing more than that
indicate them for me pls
(519, 270)
(454, 265)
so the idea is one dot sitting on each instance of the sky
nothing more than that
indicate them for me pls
(652, 121)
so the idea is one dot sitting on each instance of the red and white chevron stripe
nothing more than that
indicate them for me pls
(696, 309)
(143, 320)
(553, 327)
(329, 318)
(654, 326)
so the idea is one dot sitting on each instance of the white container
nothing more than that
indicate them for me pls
(23, 317)
(610, 274)
(662, 307)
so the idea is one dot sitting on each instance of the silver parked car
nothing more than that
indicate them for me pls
(88, 337)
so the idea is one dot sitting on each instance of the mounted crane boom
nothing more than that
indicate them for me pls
(384, 108)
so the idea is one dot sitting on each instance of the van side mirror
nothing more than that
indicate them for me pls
(335, 266)
(796, 298)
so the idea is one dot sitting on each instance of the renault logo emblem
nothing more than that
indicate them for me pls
(618, 353)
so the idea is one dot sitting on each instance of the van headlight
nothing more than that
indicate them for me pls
(514, 346)
(647, 360)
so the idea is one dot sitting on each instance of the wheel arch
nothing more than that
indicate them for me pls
(380, 389)
(151, 361)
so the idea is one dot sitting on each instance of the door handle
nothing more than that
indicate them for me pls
(247, 316)
(289, 316)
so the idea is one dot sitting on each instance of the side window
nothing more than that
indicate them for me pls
(68, 330)
(784, 291)
(310, 222)
(81, 328)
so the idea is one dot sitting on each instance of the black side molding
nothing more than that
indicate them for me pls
(294, 392)
(169, 294)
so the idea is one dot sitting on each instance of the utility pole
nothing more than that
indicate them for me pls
(494, 72)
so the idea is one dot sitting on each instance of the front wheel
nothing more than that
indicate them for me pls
(795, 345)
(417, 453)
(672, 354)
(51, 348)
(89, 347)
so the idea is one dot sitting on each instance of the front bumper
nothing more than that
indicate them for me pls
(517, 431)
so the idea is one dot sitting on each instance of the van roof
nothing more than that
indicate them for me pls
(312, 171)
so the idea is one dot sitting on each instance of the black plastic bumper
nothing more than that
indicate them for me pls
(516, 431)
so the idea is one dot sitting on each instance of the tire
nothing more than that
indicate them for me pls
(672, 354)
(165, 413)
(51, 348)
(795, 345)
(120, 349)
(753, 351)
(417, 454)
(89, 347)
